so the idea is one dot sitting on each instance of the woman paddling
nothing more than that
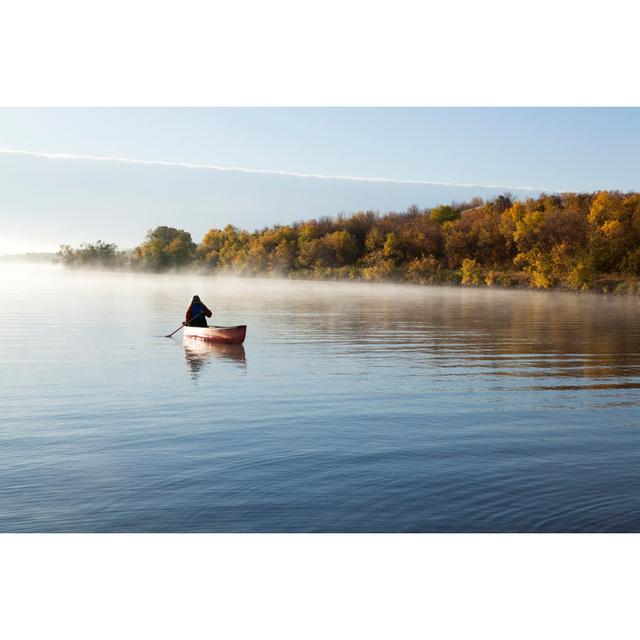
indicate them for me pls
(197, 313)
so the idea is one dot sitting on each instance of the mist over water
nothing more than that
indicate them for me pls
(350, 407)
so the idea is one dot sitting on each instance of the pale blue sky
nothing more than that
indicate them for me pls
(44, 202)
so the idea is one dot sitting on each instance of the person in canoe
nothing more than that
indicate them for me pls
(197, 313)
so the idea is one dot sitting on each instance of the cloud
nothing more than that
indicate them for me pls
(272, 172)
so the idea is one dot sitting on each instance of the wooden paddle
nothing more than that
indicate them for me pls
(183, 324)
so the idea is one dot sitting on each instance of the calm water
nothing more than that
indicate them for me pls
(350, 408)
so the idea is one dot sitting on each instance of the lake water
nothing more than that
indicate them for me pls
(350, 407)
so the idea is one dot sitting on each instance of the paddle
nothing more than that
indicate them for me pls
(183, 324)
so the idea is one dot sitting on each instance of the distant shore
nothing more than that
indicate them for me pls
(30, 257)
(568, 241)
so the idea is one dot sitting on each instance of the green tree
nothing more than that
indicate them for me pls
(444, 213)
(97, 254)
(165, 248)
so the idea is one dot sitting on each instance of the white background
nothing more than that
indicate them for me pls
(71, 53)
(333, 52)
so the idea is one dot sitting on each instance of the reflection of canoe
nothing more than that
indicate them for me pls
(224, 335)
(198, 351)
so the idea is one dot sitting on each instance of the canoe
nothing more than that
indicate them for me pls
(223, 335)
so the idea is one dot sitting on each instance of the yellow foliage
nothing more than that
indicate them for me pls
(612, 229)
(390, 245)
(470, 272)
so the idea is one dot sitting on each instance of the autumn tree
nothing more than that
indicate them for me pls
(568, 239)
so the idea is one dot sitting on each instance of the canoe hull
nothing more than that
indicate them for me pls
(220, 335)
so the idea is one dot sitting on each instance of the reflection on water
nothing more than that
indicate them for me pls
(199, 353)
(365, 408)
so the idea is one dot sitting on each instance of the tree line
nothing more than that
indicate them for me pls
(573, 240)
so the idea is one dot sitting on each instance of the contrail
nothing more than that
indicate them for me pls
(271, 172)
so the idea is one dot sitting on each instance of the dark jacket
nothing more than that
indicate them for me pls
(196, 315)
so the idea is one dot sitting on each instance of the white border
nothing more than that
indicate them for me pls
(334, 52)
(319, 586)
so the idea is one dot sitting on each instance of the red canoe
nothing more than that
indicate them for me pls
(224, 335)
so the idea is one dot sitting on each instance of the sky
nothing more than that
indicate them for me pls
(75, 185)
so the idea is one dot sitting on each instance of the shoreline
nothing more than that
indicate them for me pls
(563, 242)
